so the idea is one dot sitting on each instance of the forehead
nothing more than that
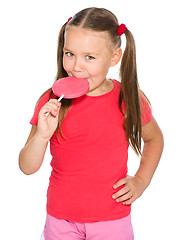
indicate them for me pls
(86, 39)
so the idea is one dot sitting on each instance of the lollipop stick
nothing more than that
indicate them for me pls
(60, 98)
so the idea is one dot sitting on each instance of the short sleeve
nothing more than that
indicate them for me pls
(146, 111)
(41, 102)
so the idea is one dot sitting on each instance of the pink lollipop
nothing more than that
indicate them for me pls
(70, 87)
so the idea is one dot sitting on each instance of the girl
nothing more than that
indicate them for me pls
(89, 194)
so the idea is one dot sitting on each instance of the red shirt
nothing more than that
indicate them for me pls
(90, 160)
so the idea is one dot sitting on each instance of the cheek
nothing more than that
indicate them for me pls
(67, 65)
(94, 70)
(99, 70)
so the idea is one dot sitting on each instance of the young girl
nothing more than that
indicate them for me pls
(89, 194)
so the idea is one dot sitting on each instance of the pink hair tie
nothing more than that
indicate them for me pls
(69, 19)
(121, 29)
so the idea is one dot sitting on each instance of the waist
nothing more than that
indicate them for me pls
(78, 197)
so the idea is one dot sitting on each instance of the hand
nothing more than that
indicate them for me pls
(48, 124)
(133, 189)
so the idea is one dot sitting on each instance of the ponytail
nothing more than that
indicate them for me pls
(61, 73)
(130, 94)
(60, 70)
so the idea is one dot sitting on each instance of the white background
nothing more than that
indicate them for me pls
(29, 32)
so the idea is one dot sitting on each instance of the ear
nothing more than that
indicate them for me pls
(116, 57)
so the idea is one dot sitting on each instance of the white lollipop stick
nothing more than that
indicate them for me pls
(60, 98)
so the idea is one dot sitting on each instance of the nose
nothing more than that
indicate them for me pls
(78, 66)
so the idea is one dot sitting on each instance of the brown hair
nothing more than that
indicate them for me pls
(100, 19)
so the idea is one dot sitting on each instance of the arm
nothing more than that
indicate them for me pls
(32, 154)
(152, 150)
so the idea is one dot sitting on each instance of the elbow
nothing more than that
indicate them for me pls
(24, 167)
(25, 171)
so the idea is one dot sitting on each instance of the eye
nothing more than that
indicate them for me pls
(69, 54)
(89, 57)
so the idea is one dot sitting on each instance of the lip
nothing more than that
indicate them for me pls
(79, 76)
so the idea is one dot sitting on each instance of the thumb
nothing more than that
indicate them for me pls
(58, 113)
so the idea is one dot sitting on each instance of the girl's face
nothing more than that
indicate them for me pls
(89, 54)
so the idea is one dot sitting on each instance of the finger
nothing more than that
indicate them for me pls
(50, 110)
(121, 182)
(55, 101)
(54, 108)
(52, 105)
(58, 112)
(129, 201)
(121, 192)
(125, 197)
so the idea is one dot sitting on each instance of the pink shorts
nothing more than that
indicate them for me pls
(59, 229)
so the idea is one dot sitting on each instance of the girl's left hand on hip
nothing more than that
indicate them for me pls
(133, 189)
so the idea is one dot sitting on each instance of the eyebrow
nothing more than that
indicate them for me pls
(86, 53)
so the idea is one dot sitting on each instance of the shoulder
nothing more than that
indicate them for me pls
(146, 109)
(48, 94)
(116, 85)
(145, 103)
(116, 82)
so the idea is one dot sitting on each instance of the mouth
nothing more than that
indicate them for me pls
(79, 76)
